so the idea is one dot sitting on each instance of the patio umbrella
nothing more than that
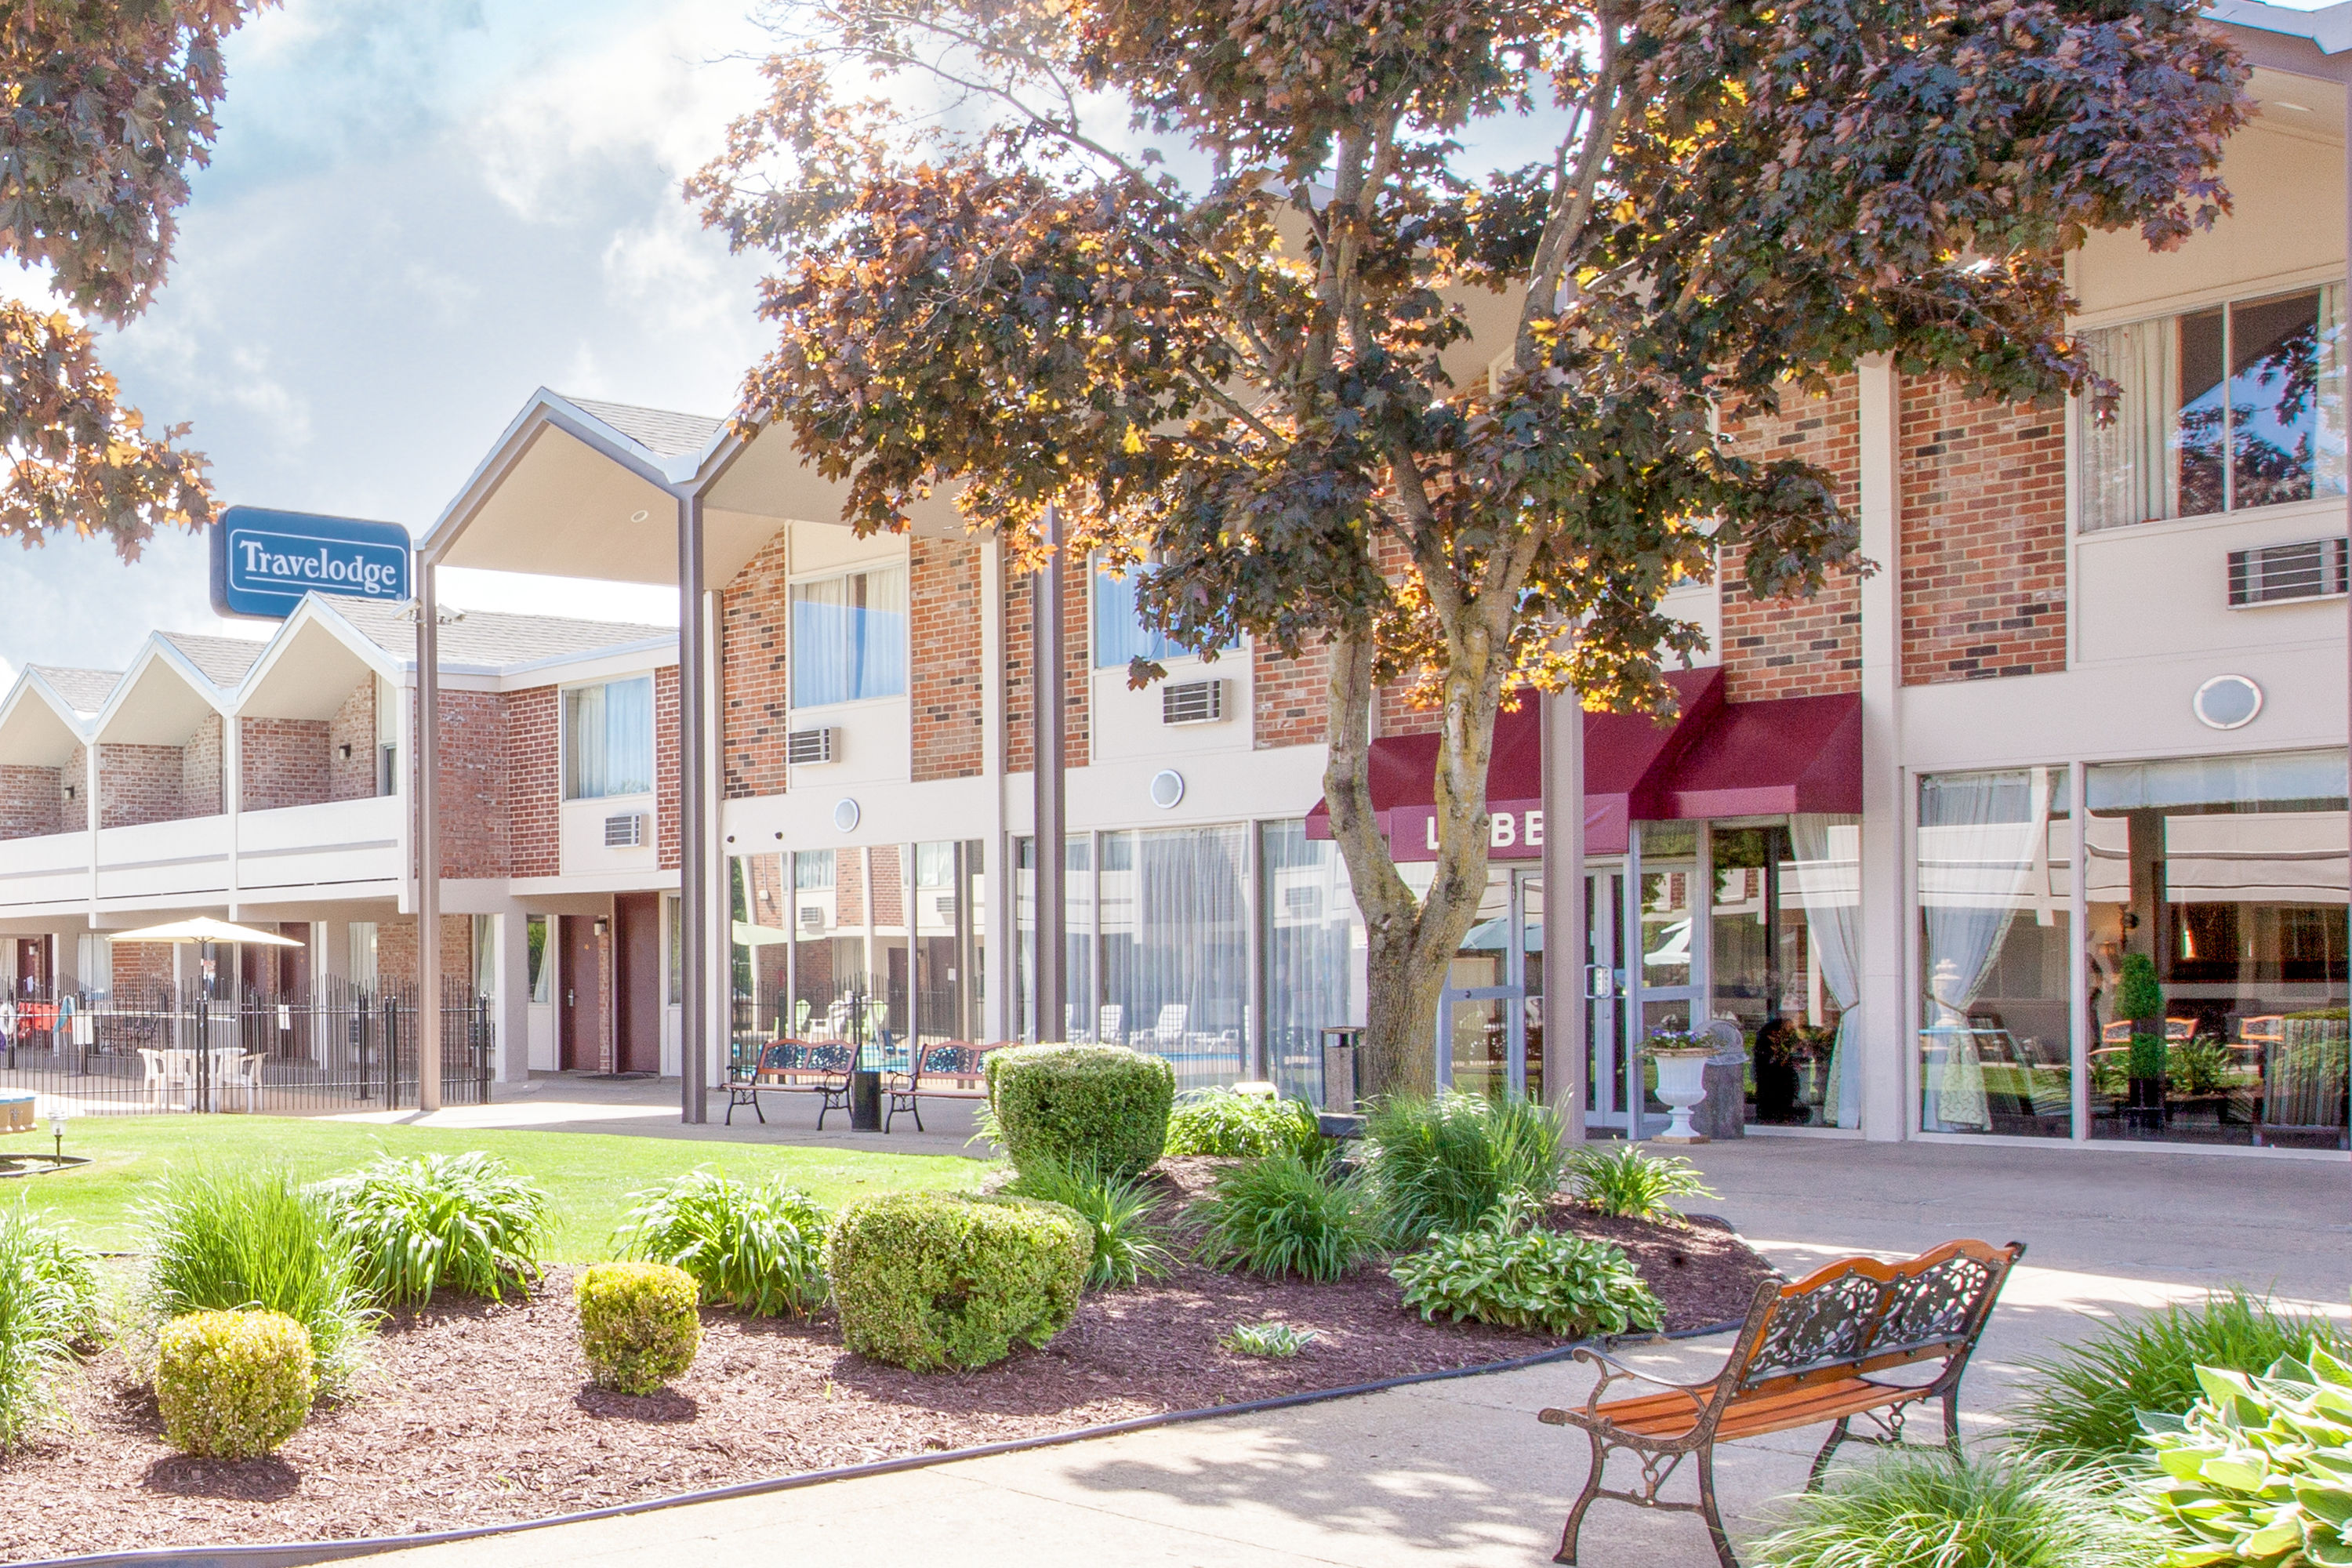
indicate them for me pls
(203, 928)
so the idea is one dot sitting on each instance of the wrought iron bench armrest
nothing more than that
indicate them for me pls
(1613, 1371)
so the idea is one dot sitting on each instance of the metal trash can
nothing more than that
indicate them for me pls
(1339, 1045)
(1724, 1112)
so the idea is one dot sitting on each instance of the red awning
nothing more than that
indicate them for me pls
(1715, 759)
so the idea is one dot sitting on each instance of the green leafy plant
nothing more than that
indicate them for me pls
(639, 1324)
(2259, 1471)
(758, 1248)
(1443, 1164)
(2201, 1065)
(2082, 1407)
(233, 1384)
(926, 1280)
(1100, 1105)
(2140, 996)
(1128, 1246)
(1629, 1184)
(224, 1241)
(1282, 1214)
(1664, 1040)
(1514, 1273)
(1277, 1342)
(48, 1304)
(1927, 1509)
(2148, 1056)
(1242, 1126)
(422, 1222)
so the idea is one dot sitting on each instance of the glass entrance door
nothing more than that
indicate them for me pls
(1490, 1019)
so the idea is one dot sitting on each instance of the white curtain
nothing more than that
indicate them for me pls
(1829, 882)
(2127, 464)
(1976, 852)
(1175, 947)
(608, 739)
(849, 637)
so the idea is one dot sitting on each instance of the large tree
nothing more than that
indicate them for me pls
(108, 105)
(1255, 382)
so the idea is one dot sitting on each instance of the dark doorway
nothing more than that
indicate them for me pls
(580, 1017)
(637, 982)
(35, 965)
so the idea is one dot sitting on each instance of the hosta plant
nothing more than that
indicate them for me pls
(1277, 1341)
(2260, 1470)
(1512, 1272)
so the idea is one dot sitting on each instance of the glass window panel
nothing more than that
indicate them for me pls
(608, 739)
(2200, 430)
(1078, 945)
(2215, 950)
(1786, 959)
(535, 937)
(1314, 944)
(2273, 392)
(1668, 921)
(1119, 632)
(849, 637)
(1995, 1048)
(1175, 948)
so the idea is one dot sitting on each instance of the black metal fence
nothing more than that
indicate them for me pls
(333, 1047)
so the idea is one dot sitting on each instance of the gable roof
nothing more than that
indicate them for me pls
(85, 690)
(492, 638)
(2329, 28)
(661, 431)
(222, 660)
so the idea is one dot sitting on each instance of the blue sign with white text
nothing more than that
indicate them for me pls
(264, 562)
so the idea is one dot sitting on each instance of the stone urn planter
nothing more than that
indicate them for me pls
(1681, 1084)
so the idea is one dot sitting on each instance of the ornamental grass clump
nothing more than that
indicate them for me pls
(227, 1239)
(2259, 1471)
(757, 1248)
(1514, 1273)
(926, 1281)
(1627, 1183)
(2082, 1407)
(232, 1385)
(1103, 1106)
(420, 1223)
(1242, 1126)
(1129, 1243)
(639, 1325)
(1285, 1216)
(48, 1307)
(1927, 1509)
(1444, 1164)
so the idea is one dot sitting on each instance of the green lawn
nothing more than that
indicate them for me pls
(588, 1175)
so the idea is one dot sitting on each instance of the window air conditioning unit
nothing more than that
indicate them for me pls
(627, 831)
(811, 917)
(2307, 569)
(803, 747)
(943, 906)
(1194, 702)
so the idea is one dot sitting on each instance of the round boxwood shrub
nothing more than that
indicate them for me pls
(638, 1323)
(924, 1279)
(1103, 1106)
(233, 1384)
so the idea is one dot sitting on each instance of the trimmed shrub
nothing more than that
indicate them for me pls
(638, 1325)
(1100, 1105)
(420, 1222)
(48, 1303)
(1627, 1183)
(2260, 1469)
(1242, 1126)
(1927, 1509)
(1118, 1212)
(1444, 1164)
(1282, 1214)
(925, 1280)
(233, 1384)
(224, 1241)
(2083, 1405)
(755, 1248)
(1512, 1272)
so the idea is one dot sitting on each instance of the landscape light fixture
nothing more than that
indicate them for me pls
(57, 1128)
(344, 751)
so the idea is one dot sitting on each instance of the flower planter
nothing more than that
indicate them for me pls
(1681, 1084)
(2144, 1111)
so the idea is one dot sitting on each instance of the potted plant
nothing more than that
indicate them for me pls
(2140, 999)
(1780, 1051)
(1682, 1059)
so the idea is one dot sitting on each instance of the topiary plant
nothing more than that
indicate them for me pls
(638, 1323)
(1103, 1106)
(2138, 995)
(2260, 1470)
(925, 1280)
(2148, 1056)
(233, 1384)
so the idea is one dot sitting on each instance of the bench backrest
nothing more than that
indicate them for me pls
(1859, 1315)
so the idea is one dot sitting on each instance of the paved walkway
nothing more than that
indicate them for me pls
(1459, 1473)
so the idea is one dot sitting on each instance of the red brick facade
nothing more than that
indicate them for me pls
(754, 692)
(1797, 647)
(534, 782)
(350, 745)
(1293, 697)
(666, 825)
(1020, 723)
(283, 763)
(201, 771)
(395, 947)
(946, 677)
(473, 761)
(1984, 537)
(31, 802)
(139, 783)
(140, 969)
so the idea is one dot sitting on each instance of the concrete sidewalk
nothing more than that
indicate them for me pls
(1459, 1472)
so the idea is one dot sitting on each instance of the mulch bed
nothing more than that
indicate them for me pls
(480, 1414)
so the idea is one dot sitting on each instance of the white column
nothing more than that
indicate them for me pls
(428, 838)
(1002, 954)
(233, 799)
(1884, 1044)
(510, 957)
(1565, 942)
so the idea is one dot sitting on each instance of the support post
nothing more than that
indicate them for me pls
(427, 807)
(1047, 705)
(1566, 942)
(693, 829)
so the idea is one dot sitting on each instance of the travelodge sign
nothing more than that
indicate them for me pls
(264, 562)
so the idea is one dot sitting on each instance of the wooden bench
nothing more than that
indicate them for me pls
(794, 1067)
(949, 1069)
(1806, 1353)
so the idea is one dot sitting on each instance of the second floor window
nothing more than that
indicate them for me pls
(849, 637)
(608, 739)
(1119, 629)
(2226, 409)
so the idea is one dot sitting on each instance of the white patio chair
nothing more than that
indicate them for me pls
(1108, 1022)
(1167, 1034)
(238, 1072)
(151, 1088)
